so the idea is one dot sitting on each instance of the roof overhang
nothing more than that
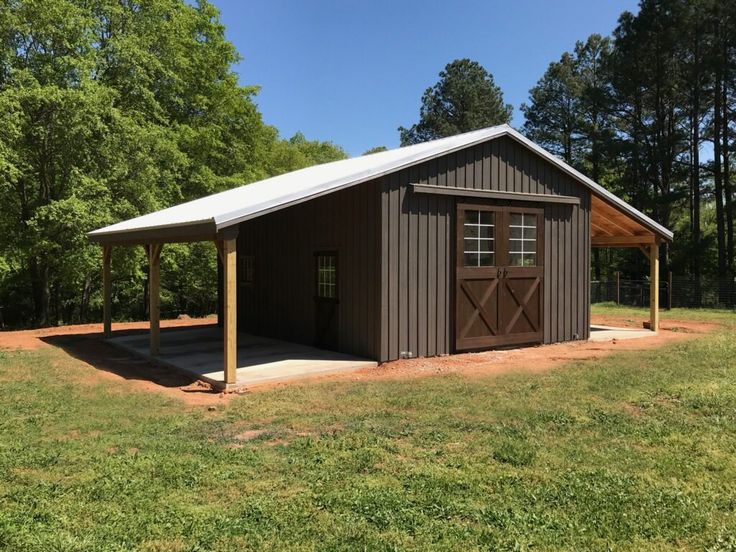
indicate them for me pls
(603, 196)
(611, 227)
(207, 218)
(175, 233)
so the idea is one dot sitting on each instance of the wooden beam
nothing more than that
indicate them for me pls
(230, 331)
(620, 223)
(200, 231)
(621, 241)
(154, 295)
(106, 291)
(654, 287)
(493, 194)
(599, 230)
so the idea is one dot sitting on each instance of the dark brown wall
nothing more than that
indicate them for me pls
(397, 255)
(418, 256)
(281, 301)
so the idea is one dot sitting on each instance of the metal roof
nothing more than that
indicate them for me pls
(233, 206)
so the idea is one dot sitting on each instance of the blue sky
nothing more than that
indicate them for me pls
(353, 71)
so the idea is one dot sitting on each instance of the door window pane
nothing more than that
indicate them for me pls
(522, 239)
(479, 237)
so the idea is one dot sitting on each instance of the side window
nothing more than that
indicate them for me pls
(326, 266)
(522, 239)
(247, 269)
(479, 238)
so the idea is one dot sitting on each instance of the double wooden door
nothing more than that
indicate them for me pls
(499, 276)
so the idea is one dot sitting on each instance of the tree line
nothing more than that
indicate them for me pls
(648, 112)
(110, 109)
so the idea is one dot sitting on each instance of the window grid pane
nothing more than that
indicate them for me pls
(523, 240)
(326, 276)
(479, 238)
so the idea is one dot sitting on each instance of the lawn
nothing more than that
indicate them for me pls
(633, 451)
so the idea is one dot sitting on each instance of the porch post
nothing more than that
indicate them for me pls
(154, 297)
(230, 303)
(106, 291)
(654, 287)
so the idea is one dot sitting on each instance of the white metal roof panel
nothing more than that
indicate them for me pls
(245, 202)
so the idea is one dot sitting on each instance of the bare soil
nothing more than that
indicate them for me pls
(105, 361)
(34, 339)
(527, 359)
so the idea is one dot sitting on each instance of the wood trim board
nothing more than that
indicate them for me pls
(493, 194)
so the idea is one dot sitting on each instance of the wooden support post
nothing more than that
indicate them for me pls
(230, 332)
(654, 287)
(669, 290)
(106, 290)
(154, 295)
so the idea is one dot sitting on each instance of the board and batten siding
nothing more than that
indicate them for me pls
(280, 303)
(417, 252)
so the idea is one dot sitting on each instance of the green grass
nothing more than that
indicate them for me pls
(699, 315)
(633, 451)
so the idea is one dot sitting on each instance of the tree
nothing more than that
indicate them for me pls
(297, 152)
(377, 149)
(569, 112)
(109, 110)
(553, 117)
(465, 98)
(639, 113)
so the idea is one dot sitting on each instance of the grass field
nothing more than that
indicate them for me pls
(633, 451)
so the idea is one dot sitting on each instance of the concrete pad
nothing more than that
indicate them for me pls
(607, 333)
(199, 351)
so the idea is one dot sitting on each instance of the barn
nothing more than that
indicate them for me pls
(475, 241)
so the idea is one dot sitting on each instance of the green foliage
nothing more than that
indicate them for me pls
(109, 110)
(627, 452)
(377, 149)
(298, 152)
(641, 112)
(465, 98)
(570, 109)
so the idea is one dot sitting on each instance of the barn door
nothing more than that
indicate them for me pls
(498, 298)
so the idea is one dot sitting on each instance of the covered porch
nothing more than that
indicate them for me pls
(217, 353)
(153, 241)
(611, 226)
(199, 351)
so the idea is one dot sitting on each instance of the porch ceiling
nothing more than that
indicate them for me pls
(612, 227)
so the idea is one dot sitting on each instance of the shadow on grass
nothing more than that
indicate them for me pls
(92, 349)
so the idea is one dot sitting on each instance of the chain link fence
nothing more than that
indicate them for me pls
(674, 291)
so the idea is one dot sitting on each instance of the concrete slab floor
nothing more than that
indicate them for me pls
(607, 333)
(199, 351)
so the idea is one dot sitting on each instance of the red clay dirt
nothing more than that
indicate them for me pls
(528, 359)
(102, 360)
(34, 339)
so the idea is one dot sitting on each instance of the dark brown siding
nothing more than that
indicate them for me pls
(418, 256)
(281, 303)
